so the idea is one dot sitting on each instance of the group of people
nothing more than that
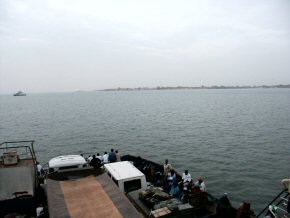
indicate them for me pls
(98, 160)
(182, 188)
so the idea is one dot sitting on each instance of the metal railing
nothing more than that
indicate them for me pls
(29, 149)
(279, 196)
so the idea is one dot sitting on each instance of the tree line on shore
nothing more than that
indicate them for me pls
(196, 87)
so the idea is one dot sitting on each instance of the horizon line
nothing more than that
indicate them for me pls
(160, 88)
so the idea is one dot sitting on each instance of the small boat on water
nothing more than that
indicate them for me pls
(19, 93)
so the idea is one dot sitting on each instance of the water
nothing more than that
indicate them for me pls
(238, 140)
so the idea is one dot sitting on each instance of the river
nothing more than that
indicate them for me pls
(237, 139)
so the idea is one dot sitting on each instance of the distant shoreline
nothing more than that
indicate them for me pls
(195, 87)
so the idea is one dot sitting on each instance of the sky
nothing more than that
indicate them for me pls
(67, 45)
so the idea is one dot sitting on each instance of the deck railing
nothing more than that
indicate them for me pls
(28, 149)
(276, 201)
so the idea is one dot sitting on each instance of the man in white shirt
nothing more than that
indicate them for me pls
(186, 180)
(186, 177)
(105, 158)
(39, 169)
(90, 158)
(100, 157)
(167, 168)
(200, 183)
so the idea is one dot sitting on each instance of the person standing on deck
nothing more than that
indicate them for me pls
(186, 177)
(174, 191)
(95, 162)
(118, 156)
(100, 157)
(112, 156)
(172, 176)
(200, 183)
(186, 180)
(167, 168)
(105, 158)
(90, 158)
(39, 169)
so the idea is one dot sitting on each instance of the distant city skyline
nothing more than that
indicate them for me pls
(63, 46)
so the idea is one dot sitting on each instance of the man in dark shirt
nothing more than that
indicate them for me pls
(95, 162)
(112, 156)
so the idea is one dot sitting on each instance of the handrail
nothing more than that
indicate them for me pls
(9, 142)
(285, 199)
(31, 149)
(32, 152)
(282, 199)
(271, 203)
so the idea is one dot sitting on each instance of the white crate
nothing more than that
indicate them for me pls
(10, 158)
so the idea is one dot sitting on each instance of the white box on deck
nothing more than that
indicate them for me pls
(125, 174)
(10, 158)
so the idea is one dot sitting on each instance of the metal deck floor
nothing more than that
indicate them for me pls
(16, 179)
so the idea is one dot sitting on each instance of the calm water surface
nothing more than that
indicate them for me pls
(238, 140)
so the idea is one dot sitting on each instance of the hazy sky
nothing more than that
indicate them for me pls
(65, 45)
